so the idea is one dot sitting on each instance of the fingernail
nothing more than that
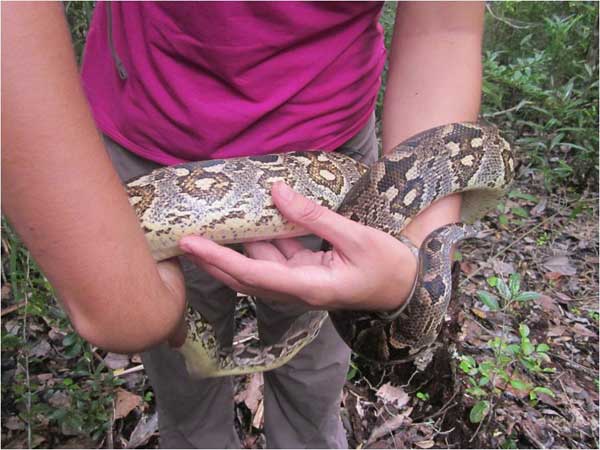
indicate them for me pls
(285, 192)
(185, 246)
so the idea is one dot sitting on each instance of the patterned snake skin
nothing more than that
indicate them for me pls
(229, 201)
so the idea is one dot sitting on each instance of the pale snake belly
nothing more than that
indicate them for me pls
(229, 201)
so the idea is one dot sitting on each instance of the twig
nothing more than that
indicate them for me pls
(117, 373)
(12, 308)
(514, 108)
(575, 365)
(109, 433)
(446, 406)
(245, 339)
(27, 380)
(506, 21)
(505, 249)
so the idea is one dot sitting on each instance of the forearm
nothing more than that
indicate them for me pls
(434, 79)
(62, 195)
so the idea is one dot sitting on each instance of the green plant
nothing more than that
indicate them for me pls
(423, 396)
(352, 371)
(548, 101)
(489, 377)
(507, 293)
(79, 15)
(88, 406)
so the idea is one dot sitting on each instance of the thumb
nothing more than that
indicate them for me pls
(341, 232)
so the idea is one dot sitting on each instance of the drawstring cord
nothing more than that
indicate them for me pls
(115, 56)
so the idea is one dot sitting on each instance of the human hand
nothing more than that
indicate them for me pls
(365, 269)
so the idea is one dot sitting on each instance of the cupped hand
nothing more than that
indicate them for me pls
(365, 269)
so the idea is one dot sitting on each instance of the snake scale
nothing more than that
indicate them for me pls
(229, 201)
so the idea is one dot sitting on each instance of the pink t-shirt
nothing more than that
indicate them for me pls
(224, 79)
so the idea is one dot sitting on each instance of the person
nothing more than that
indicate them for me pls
(173, 82)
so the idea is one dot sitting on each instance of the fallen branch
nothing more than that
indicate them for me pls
(12, 308)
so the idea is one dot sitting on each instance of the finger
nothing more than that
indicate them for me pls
(288, 247)
(342, 233)
(247, 290)
(217, 273)
(257, 274)
(264, 250)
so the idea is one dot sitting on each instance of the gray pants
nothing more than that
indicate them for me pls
(301, 399)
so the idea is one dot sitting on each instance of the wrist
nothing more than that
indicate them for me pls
(408, 280)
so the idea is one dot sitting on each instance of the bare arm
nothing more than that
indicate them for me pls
(434, 78)
(65, 200)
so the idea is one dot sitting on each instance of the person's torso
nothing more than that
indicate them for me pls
(224, 79)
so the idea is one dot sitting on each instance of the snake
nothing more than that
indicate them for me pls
(229, 201)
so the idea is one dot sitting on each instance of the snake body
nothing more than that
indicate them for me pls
(229, 201)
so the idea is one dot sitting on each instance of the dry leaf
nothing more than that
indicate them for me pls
(555, 331)
(41, 349)
(257, 420)
(5, 292)
(252, 394)
(393, 394)
(60, 399)
(552, 275)
(79, 442)
(143, 431)
(126, 402)
(582, 330)
(479, 313)
(539, 209)
(13, 423)
(425, 444)
(389, 426)
(502, 267)
(116, 361)
(549, 305)
(560, 264)
(468, 267)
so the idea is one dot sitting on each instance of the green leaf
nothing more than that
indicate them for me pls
(468, 365)
(69, 339)
(492, 281)
(423, 396)
(476, 391)
(522, 195)
(519, 384)
(541, 348)
(485, 368)
(503, 220)
(514, 284)
(523, 330)
(544, 390)
(513, 348)
(503, 289)
(489, 300)
(521, 212)
(527, 346)
(479, 411)
(352, 371)
(526, 296)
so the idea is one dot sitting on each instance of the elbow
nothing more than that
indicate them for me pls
(120, 334)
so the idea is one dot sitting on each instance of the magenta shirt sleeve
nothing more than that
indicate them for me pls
(224, 79)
